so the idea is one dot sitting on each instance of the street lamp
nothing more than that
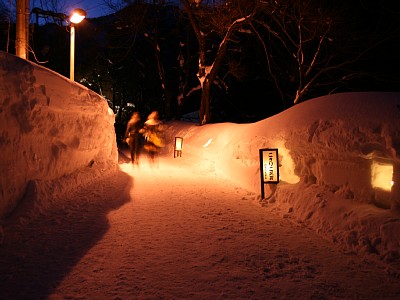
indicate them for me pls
(77, 16)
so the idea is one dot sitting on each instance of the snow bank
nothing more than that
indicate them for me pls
(337, 157)
(338, 154)
(51, 128)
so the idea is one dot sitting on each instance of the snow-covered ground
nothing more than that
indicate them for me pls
(339, 158)
(175, 231)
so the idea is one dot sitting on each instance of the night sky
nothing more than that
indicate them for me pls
(94, 8)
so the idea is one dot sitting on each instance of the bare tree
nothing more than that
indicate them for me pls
(316, 44)
(5, 10)
(50, 11)
(140, 21)
(310, 46)
(5, 20)
(223, 18)
(55, 6)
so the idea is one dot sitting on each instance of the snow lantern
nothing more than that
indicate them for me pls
(178, 146)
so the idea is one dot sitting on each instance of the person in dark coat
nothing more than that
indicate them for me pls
(132, 137)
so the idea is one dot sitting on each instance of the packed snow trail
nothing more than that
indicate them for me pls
(169, 231)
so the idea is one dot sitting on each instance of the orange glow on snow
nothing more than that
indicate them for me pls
(207, 143)
(286, 165)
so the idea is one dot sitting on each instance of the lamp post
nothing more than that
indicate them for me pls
(77, 16)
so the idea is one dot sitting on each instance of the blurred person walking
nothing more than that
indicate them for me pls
(152, 132)
(132, 137)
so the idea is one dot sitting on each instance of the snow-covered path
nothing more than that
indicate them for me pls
(169, 232)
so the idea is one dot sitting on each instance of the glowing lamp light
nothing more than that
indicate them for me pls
(269, 167)
(77, 16)
(178, 146)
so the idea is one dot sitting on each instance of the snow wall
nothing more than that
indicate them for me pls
(337, 157)
(51, 128)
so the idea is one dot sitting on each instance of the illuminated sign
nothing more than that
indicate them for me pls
(269, 167)
(178, 146)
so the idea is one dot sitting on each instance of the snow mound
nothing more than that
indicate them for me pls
(338, 157)
(51, 128)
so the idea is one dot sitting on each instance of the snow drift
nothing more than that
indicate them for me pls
(51, 128)
(339, 155)
(338, 160)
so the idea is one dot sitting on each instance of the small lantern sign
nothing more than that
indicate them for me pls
(178, 147)
(269, 167)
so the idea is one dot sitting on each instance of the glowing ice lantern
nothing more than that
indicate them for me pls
(382, 175)
(178, 147)
(269, 168)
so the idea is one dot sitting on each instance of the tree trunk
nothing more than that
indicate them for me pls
(164, 87)
(205, 102)
(21, 43)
